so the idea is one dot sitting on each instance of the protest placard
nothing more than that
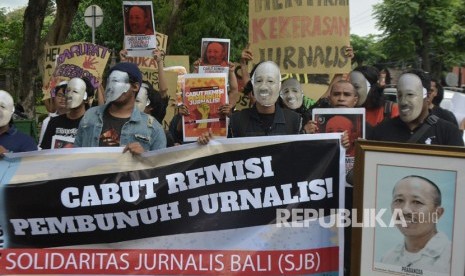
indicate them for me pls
(214, 55)
(76, 59)
(203, 94)
(139, 28)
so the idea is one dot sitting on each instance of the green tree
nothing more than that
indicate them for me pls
(11, 36)
(185, 22)
(33, 41)
(196, 22)
(367, 50)
(413, 30)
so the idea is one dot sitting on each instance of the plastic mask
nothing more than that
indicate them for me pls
(117, 85)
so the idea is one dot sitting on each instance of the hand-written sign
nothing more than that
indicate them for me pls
(301, 36)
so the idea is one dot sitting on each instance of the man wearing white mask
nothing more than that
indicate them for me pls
(414, 123)
(61, 130)
(119, 122)
(266, 117)
(12, 140)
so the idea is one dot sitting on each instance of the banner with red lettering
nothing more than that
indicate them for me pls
(301, 36)
(235, 206)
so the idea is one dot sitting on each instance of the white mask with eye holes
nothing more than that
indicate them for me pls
(142, 99)
(75, 93)
(117, 85)
(7, 108)
(291, 93)
(266, 82)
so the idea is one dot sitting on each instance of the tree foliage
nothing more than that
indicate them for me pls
(11, 37)
(185, 22)
(429, 33)
(414, 31)
(366, 50)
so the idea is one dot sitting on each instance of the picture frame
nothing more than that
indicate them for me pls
(381, 170)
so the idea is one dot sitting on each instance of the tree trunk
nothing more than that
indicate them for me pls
(173, 21)
(33, 48)
(425, 50)
(61, 26)
(33, 21)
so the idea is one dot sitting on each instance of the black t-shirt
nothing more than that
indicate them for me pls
(266, 121)
(111, 130)
(444, 114)
(441, 133)
(60, 126)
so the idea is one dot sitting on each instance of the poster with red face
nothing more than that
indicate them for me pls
(351, 120)
(139, 28)
(215, 55)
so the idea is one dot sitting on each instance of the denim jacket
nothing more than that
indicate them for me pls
(140, 128)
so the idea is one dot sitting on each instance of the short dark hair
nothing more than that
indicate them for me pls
(343, 82)
(89, 87)
(440, 95)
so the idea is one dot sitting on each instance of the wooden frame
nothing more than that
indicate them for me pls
(378, 167)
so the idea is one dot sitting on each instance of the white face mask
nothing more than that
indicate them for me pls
(291, 93)
(142, 99)
(75, 92)
(7, 108)
(117, 85)
(410, 97)
(266, 83)
(361, 85)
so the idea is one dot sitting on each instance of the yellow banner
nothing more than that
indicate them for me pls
(76, 59)
(301, 36)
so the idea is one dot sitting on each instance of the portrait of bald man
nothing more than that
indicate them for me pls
(138, 20)
(417, 202)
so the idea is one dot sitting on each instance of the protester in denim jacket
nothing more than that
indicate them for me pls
(119, 122)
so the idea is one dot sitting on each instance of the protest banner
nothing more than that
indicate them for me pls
(76, 59)
(214, 56)
(139, 28)
(191, 209)
(203, 95)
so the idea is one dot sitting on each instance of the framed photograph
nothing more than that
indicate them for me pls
(409, 210)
